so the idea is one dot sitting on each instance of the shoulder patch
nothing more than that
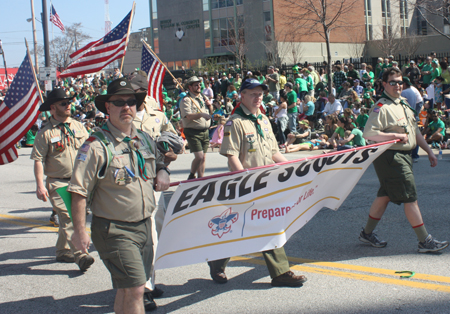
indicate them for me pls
(81, 157)
(229, 122)
(376, 110)
(85, 148)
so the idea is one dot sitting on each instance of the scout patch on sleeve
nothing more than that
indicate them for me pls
(226, 134)
(55, 139)
(85, 148)
(376, 110)
(81, 157)
(229, 122)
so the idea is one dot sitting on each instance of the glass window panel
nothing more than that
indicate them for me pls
(170, 65)
(186, 64)
(230, 3)
(214, 4)
(178, 65)
(222, 3)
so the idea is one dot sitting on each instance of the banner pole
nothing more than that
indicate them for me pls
(34, 73)
(128, 35)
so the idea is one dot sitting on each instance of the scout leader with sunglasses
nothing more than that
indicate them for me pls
(391, 118)
(117, 171)
(54, 152)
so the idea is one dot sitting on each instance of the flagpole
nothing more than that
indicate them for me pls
(167, 69)
(4, 63)
(128, 35)
(34, 73)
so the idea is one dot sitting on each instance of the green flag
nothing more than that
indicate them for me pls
(67, 198)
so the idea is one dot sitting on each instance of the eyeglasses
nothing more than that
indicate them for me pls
(395, 83)
(122, 103)
(63, 104)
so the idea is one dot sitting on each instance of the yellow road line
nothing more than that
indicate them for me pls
(411, 282)
(32, 223)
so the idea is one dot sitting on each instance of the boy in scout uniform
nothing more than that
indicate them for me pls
(117, 170)
(54, 152)
(393, 119)
(249, 142)
(196, 112)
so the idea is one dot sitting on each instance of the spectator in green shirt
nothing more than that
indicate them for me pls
(435, 131)
(292, 109)
(426, 72)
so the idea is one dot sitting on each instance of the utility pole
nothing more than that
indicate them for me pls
(45, 27)
(4, 63)
(36, 64)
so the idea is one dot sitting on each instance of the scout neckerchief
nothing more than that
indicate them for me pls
(198, 98)
(140, 159)
(252, 118)
(65, 132)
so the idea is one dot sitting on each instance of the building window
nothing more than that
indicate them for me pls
(207, 29)
(404, 9)
(154, 9)
(155, 40)
(217, 4)
(223, 30)
(368, 18)
(205, 5)
(386, 8)
(267, 26)
(421, 25)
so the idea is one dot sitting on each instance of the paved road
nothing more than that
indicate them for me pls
(344, 275)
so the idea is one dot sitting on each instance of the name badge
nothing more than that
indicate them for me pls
(55, 139)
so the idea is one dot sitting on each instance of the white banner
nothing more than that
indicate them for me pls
(257, 209)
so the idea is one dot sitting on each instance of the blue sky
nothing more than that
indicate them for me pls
(91, 13)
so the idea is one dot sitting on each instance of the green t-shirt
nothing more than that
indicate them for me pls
(427, 77)
(292, 99)
(358, 138)
(361, 120)
(435, 73)
(30, 137)
(302, 84)
(310, 83)
(436, 125)
(267, 98)
(368, 77)
(341, 132)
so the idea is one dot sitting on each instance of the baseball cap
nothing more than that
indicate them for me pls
(289, 84)
(251, 84)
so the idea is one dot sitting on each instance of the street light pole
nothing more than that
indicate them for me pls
(45, 26)
(36, 64)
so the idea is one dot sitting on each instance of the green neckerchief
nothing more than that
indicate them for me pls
(140, 158)
(401, 102)
(252, 118)
(198, 98)
(66, 126)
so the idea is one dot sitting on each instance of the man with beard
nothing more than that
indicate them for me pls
(54, 152)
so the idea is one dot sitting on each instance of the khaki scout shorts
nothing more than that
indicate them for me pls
(394, 170)
(125, 248)
(198, 140)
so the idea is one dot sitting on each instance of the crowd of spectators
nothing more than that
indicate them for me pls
(301, 106)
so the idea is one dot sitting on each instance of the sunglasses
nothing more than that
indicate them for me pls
(63, 104)
(122, 103)
(395, 83)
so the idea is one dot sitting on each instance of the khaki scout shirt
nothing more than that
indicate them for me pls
(153, 122)
(190, 105)
(150, 102)
(240, 138)
(390, 116)
(128, 201)
(58, 163)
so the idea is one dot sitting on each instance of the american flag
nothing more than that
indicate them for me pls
(155, 74)
(97, 54)
(54, 18)
(19, 111)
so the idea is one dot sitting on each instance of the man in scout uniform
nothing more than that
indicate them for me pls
(249, 142)
(54, 152)
(391, 118)
(153, 122)
(196, 115)
(117, 170)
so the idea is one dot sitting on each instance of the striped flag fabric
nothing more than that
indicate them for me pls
(19, 111)
(97, 54)
(54, 18)
(155, 74)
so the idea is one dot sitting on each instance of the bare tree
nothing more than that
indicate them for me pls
(289, 50)
(391, 43)
(319, 17)
(62, 46)
(236, 39)
(355, 48)
(427, 9)
(411, 44)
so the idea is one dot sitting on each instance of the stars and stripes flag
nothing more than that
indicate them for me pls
(54, 18)
(155, 74)
(97, 54)
(19, 111)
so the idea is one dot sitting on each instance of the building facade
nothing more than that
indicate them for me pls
(189, 32)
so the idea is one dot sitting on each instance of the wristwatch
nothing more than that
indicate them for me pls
(166, 169)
